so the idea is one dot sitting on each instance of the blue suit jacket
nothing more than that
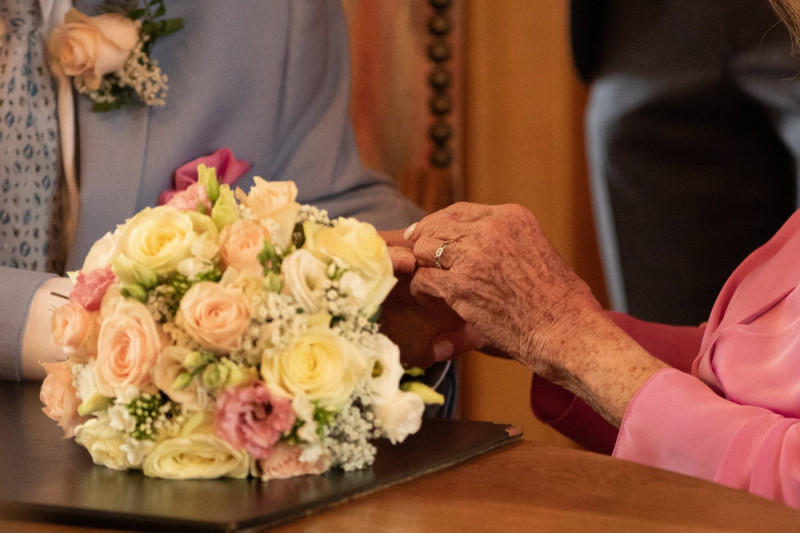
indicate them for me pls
(268, 78)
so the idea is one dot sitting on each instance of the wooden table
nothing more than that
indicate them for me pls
(521, 486)
(527, 487)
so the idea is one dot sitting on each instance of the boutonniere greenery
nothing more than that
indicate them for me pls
(108, 55)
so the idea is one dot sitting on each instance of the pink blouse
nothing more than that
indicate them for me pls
(739, 423)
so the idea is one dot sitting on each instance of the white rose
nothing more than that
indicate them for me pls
(384, 381)
(304, 276)
(355, 289)
(104, 444)
(86, 380)
(401, 416)
(102, 251)
(318, 364)
(304, 411)
(196, 456)
(357, 246)
(161, 237)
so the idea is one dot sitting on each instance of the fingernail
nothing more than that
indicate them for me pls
(409, 231)
(443, 350)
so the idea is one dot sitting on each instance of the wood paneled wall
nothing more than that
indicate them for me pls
(523, 143)
(519, 139)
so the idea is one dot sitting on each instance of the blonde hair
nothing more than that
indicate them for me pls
(789, 12)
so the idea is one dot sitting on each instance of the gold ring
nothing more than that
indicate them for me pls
(439, 252)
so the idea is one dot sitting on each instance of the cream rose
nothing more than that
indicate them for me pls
(128, 345)
(240, 244)
(105, 444)
(215, 316)
(169, 366)
(103, 251)
(384, 381)
(318, 364)
(401, 416)
(59, 396)
(75, 330)
(273, 200)
(357, 246)
(196, 456)
(304, 277)
(91, 47)
(288, 461)
(161, 237)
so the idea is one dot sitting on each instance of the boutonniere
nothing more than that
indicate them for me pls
(108, 55)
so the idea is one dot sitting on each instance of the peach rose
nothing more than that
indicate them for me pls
(241, 242)
(169, 366)
(275, 200)
(215, 316)
(288, 461)
(91, 47)
(128, 345)
(60, 398)
(75, 330)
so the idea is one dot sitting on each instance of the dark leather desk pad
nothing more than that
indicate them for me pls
(46, 478)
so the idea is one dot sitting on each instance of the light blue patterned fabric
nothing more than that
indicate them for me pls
(29, 158)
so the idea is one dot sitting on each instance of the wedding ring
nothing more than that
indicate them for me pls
(439, 251)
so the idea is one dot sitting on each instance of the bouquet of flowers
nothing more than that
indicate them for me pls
(231, 334)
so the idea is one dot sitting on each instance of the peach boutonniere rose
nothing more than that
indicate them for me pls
(108, 55)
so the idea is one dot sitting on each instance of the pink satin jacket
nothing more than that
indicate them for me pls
(729, 410)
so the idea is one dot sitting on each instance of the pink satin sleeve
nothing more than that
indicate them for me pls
(555, 406)
(678, 423)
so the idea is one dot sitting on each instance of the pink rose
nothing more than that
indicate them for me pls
(91, 287)
(214, 315)
(228, 168)
(285, 461)
(252, 418)
(127, 347)
(191, 199)
(241, 242)
(75, 330)
(59, 397)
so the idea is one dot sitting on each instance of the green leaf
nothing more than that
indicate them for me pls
(102, 107)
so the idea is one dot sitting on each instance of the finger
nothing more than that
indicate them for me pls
(450, 344)
(395, 238)
(458, 214)
(435, 252)
(427, 286)
(403, 259)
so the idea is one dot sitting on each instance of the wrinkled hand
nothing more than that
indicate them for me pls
(502, 277)
(426, 329)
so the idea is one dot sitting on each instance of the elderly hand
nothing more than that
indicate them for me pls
(494, 267)
(426, 329)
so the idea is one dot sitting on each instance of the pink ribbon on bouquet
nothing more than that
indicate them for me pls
(229, 169)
